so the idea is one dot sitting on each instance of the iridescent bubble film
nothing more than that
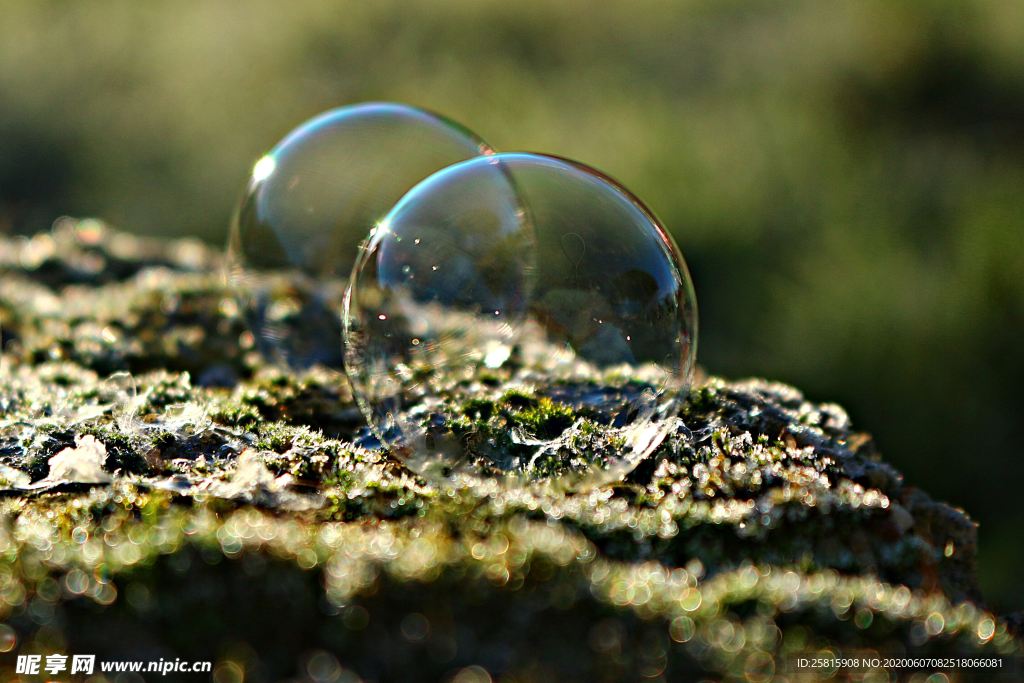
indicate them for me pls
(309, 204)
(521, 316)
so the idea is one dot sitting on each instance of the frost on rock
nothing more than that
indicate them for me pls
(12, 478)
(254, 483)
(82, 464)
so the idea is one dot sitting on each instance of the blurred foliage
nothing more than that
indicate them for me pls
(844, 178)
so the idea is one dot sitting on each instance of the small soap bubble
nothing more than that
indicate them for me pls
(309, 204)
(521, 316)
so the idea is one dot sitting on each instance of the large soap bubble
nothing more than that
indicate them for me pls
(520, 316)
(309, 204)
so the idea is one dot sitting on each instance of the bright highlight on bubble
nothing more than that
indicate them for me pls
(311, 201)
(263, 168)
(521, 317)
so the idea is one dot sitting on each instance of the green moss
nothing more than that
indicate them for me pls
(545, 418)
(764, 524)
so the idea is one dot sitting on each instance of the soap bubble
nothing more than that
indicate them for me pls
(311, 201)
(520, 316)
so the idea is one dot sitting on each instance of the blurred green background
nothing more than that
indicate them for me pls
(846, 179)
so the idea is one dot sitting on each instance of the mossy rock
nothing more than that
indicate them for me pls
(237, 516)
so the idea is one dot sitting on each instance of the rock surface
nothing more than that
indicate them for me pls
(235, 519)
